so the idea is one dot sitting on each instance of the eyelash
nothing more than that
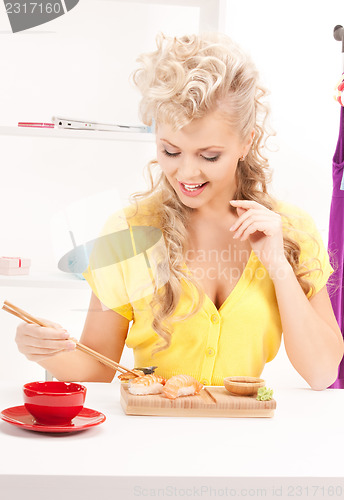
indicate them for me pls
(214, 158)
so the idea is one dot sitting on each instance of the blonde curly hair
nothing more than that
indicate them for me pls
(184, 79)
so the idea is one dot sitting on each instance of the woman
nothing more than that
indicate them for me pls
(239, 267)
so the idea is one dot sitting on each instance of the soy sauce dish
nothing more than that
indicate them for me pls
(243, 386)
(54, 402)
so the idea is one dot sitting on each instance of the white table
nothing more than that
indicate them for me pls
(304, 439)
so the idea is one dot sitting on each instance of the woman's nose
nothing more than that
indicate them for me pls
(188, 170)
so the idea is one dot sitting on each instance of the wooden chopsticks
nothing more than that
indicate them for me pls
(20, 313)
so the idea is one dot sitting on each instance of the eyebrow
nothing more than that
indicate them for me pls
(201, 149)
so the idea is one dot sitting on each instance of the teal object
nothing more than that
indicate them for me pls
(110, 249)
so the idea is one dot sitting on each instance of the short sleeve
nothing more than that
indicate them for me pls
(104, 273)
(126, 262)
(314, 255)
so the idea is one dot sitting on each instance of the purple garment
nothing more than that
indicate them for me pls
(336, 242)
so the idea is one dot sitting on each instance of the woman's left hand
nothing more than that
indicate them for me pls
(263, 228)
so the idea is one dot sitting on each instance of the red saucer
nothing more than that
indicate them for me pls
(19, 416)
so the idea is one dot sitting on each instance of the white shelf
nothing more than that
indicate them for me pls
(44, 279)
(212, 12)
(77, 134)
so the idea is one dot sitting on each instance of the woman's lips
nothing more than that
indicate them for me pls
(194, 192)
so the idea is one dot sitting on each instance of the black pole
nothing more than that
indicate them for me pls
(338, 34)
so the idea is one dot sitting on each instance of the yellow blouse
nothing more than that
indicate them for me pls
(237, 339)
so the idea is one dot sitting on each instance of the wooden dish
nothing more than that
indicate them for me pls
(212, 401)
(243, 386)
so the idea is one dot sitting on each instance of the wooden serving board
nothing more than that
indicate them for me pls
(212, 401)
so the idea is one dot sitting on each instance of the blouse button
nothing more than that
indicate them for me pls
(210, 351)
(205, 382)
(214, 318)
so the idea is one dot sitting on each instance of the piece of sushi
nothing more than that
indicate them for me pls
(125, 377)
(148, 384)
(181, 385)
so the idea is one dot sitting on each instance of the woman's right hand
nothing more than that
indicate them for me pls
(40, 342)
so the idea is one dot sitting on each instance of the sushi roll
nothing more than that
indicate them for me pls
(181, 385)
(148, 384)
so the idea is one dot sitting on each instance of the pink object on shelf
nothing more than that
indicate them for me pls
(14, 266)
(36, 124)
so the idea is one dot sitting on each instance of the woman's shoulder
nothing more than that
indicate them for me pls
(299, 225)
(145, 213)
(288, 208)
(294, 216)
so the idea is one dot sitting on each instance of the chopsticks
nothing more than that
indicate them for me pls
(20, 313)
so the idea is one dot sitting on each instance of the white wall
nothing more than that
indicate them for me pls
(300, 62)
(79, 65)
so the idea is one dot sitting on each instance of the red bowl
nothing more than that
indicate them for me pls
(54, 402)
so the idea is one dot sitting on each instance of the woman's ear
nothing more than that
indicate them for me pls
(248, 144)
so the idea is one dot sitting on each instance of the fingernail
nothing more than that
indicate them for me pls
(231, 228)
(71, 345)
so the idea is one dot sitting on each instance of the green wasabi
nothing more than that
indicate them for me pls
(264, 394)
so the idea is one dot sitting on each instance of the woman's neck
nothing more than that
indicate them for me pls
(208, 217)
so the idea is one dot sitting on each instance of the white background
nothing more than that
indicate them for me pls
(79, 65)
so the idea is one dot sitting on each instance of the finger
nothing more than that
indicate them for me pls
(250, 220)
(246, 204)
(257, 226)
(244, 217)
(43, 352)
(45, 332)
(51, 323)
(48, 344)
(268, 224)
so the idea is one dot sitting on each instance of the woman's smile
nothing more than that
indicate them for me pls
(192, 189)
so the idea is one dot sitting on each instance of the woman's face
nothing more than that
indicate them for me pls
(200, 161)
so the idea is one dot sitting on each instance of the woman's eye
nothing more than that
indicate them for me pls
(213, 158)
(169, 154)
